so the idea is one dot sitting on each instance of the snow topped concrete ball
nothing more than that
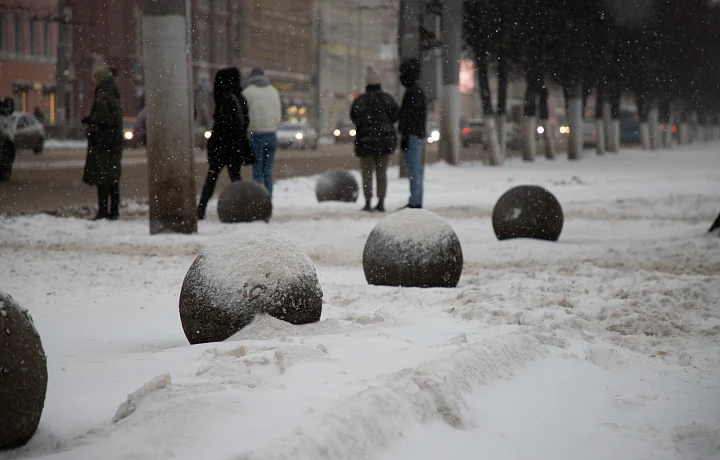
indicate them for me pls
(244, 201)
(413, 248)
(242, 274)
(528, 211)
(23, 374)
(337, 185)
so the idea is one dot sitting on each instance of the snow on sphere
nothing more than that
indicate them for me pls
(528, 211)
(337, 185)
(413, 248)
(244, 201)
(23, 374)
(242, 274)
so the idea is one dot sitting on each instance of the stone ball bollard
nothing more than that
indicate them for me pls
(337, 185)
(528, 211)
(413, 248)
(244, 201)
(23, 374)
(243, 274)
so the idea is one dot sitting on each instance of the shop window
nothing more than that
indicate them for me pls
(2, 32)
(46, 38)
(33, 38)
(18, 34)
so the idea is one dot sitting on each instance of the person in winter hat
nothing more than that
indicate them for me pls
(374, 113)
(103, 165)
(265, 116)
(228, 144)
(413, 119)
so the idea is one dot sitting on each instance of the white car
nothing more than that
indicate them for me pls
(297, 136)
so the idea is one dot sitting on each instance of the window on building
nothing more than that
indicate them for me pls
(18, 34)
(46, 38)
(2, 32)
(33, 39)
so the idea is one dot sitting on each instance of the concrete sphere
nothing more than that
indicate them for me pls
(23, 374)
(413, 248)
(337, 185)
(528, 211)
(244, 201)
(241, 275)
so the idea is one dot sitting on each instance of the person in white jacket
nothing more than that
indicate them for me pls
(265, 115)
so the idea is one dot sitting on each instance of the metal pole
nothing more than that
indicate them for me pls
(317, 80)
(452, 25)
(61, 77)
(168, 84)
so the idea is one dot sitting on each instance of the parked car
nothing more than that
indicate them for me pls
(433, 132)
(344, 132)
(29, 132)
(471, 132)
(297, 136)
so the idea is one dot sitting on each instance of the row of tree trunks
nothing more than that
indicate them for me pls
(492, 143)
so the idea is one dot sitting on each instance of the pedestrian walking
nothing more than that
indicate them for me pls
(374, 113)
(412, 126)
(228, 144)
(103, 165)
(265, 116)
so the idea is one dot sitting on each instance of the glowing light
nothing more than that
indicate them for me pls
(352, 132)
(128, 135)
(435, 135)
(336, 132)
(674, 129)
(299, 136)
(208, 134)
(466, 130)
(541, 130)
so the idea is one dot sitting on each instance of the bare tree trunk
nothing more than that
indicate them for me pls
(529, 145)
(575, 118)
(547, 132)
(614, 126)
(654, 125)
(666, 121)
(599, 123)
(491, 138)
(502, 103)
(450, 106)
(168, 84)
(607, 121)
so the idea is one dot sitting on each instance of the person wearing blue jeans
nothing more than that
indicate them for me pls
(264, 146)
(413, 118)
(413, 166)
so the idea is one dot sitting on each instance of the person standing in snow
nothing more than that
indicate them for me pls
(265, 116)
(374, 113)
(103, 165)
(413, 119)
(228, 145)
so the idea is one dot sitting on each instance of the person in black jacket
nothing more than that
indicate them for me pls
(228, 145)
(413, 118)
(374, 113)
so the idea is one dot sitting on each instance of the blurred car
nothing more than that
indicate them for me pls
(471, 132)
(29, 132)
(130, 140)
(629, 127)
(433, 132)
(296, 136)
(344, 132)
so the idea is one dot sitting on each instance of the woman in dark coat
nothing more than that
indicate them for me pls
(374, 113)
(103, 165)
(228, 145)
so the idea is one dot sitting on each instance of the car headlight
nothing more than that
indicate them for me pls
(541, 130)
(299, 136)
(352, 132)
(336, 132)
(435, 135)
(128, 135)
(208, 134)
(564, 130)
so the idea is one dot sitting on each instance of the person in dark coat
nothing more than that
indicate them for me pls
(374, 113)
(413, 119)
(228, 145)
(103, 165)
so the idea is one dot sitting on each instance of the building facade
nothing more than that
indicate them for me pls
(28, 48)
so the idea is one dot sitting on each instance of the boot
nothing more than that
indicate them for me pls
(102, 203)
(201, 212)
(114, 213)
(368, 206)
(380, 206)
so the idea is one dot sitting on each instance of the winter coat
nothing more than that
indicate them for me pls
(103, 165)
(374, 113)
(229, 140)
(264, 104)
(413, 111)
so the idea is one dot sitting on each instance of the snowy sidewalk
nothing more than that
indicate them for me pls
(603, 345)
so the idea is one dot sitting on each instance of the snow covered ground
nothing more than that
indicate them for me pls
(603, 345)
